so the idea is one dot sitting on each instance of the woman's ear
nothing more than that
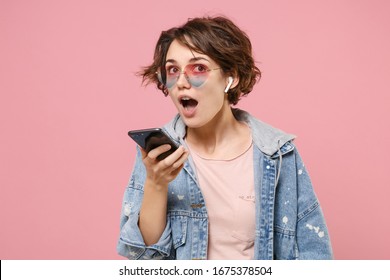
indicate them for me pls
(231, 83)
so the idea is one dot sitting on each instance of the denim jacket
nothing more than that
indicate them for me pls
(289, 221)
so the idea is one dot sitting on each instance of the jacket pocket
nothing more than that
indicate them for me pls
(285, 244)
(179, 230)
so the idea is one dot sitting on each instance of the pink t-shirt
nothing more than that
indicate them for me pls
(228, 190)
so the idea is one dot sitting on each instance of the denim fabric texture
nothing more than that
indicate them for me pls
(289, 221)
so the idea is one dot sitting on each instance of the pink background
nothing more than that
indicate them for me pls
(68, 95)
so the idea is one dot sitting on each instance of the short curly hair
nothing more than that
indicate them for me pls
(220, 39)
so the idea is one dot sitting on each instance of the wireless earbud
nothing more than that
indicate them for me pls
(229, 84)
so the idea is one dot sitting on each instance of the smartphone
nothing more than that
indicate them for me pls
(151, 138)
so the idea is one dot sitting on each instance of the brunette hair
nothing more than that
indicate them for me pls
(220, 39)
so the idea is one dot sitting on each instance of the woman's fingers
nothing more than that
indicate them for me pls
(179, 163)
(153, 154)
(175, 156)
(167, 169)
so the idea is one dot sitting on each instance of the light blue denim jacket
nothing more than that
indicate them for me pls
(289, 220)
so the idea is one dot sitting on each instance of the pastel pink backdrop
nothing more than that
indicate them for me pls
(69, 95)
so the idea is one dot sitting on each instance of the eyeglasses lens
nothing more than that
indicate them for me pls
(195, 74)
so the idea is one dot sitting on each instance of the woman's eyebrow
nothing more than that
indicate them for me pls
(198, 58)
(170, 61)
(194, 59)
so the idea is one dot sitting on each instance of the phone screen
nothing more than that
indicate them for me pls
(152, 138)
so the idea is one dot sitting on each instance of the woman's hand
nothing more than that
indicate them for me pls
(161, 173)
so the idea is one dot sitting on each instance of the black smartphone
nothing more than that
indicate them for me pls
(151, 138)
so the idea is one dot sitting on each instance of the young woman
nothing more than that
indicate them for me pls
(236, 188)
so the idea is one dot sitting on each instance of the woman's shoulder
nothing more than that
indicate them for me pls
(266, 137)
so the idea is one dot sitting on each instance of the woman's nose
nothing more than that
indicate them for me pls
(182, 80)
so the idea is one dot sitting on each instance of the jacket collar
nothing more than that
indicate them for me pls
(267, 138)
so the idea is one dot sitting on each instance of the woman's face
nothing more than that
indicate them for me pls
(200, 98)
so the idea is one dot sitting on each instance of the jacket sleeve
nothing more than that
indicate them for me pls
(131, 244)
(312, 235)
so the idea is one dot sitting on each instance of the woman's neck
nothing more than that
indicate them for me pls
(219, 136)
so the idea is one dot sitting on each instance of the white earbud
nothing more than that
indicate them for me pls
(229, 84)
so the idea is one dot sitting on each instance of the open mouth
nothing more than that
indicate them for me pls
(188, 103)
